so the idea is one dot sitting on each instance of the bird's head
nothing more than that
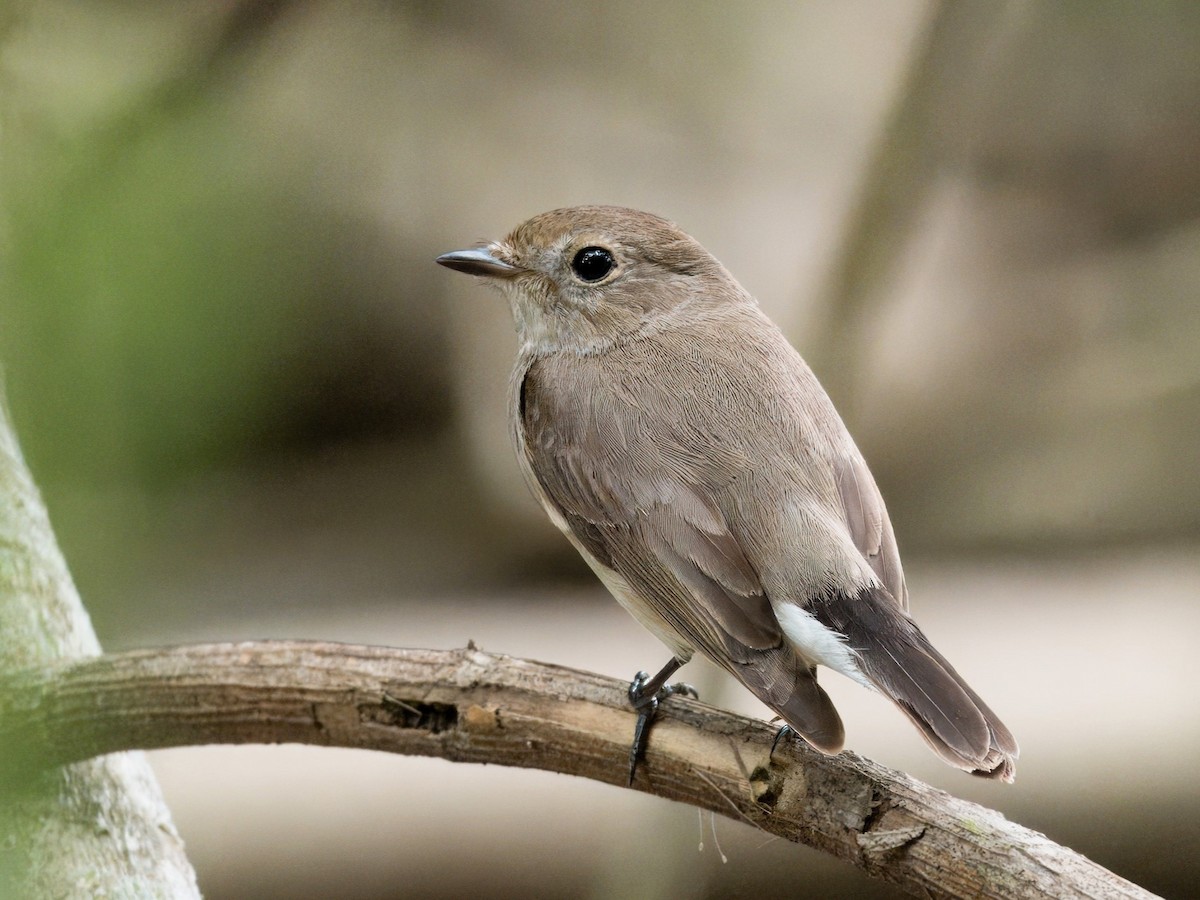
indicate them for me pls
(584, 278)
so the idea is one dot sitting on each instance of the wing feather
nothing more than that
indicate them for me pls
(670, 543)
(870, 527)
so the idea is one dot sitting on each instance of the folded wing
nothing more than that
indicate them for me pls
(667, 541)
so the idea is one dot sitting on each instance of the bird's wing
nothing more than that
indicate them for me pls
(869, 525)
(666, 539)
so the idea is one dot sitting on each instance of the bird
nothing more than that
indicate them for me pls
(669, 429)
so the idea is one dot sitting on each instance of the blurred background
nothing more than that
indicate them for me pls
(256, 408)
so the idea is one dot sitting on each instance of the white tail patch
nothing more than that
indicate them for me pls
(818, 644)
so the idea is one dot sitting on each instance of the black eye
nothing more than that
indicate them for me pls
(592, 263)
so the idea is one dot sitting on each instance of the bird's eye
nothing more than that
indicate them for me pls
(592, 264)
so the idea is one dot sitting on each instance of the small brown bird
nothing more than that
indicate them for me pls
(687, 451)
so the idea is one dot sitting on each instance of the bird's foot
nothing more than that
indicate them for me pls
(784, 731)
(645, 693)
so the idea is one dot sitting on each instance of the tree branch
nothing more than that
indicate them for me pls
(99, 828)
(471, 706)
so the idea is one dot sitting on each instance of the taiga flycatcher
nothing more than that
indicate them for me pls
(687, 451)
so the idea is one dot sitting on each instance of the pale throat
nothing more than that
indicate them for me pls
(542, 332)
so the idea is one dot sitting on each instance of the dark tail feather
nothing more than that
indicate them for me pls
(1003, 750)
(897, 657)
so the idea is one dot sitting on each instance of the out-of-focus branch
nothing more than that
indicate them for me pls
(931, 126)
(97, 828)
(471, 706)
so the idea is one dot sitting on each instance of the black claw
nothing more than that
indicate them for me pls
(784, 731)
(645, 693)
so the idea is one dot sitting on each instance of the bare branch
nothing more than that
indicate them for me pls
(471, 706)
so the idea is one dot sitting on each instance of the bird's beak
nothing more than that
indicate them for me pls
(479, 261)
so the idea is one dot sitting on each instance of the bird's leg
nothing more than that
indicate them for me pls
(645, 693)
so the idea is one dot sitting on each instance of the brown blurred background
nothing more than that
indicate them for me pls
(257, 409)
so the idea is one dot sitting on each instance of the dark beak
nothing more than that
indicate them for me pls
(478, 262)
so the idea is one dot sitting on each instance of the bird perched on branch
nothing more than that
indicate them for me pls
(690, 455)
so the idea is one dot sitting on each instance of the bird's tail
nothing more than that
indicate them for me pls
(898, 659)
